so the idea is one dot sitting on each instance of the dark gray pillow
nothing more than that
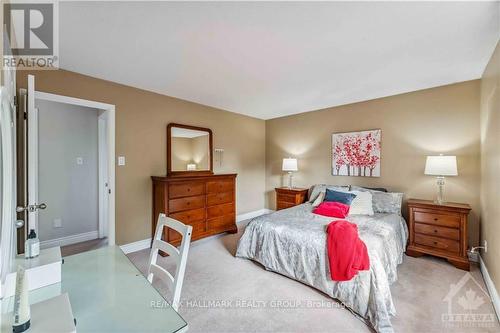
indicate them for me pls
(315, 190)
(380, 189)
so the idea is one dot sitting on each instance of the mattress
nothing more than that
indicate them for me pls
(292, 242)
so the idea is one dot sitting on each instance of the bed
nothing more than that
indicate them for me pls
(292, 242)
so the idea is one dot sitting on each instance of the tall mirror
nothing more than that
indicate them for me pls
(189, 150)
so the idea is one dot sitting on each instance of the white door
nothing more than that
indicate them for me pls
(104, 190)
(7, 172)
(32, 163)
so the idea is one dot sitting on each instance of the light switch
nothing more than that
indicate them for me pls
(79, 160)
(121, 160)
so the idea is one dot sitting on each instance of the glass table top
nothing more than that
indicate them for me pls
(109, 294)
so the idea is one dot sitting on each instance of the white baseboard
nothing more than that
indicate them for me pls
(63, 241)
(136, 246)
(495, 299)
(145, 243)
(251, 215)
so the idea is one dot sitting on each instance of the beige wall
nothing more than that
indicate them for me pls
(141, 120)
(490, 165)
(439, 120)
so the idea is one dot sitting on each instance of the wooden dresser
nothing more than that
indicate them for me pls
(205, 202)
(289, 197)
(439, 230)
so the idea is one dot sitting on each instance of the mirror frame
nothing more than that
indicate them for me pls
(171, 173)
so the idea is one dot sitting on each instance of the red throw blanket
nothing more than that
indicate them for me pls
(347, 253)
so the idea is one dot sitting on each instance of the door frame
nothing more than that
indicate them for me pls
(107, 113)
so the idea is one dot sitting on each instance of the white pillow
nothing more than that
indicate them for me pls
(319, 199)
(362, 204)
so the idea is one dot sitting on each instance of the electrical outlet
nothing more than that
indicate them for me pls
(485, 244)
(79, 160)
(121, 160)
(57, 223)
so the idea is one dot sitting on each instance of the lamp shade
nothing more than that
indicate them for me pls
(290, 164)
(441, 166)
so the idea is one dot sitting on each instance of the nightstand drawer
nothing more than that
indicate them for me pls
(444, 244)
(434, 230)
(286, 198)
(448, 220)
(283, 205)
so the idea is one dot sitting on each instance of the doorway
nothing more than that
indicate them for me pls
(69, 169)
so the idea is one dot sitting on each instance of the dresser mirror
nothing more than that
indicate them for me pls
(189, 150)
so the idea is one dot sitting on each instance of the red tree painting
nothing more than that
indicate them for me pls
(356, 153)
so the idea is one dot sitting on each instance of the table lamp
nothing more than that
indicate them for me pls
(441, 166)
(290, 165)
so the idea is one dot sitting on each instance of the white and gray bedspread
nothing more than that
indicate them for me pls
(292, 242)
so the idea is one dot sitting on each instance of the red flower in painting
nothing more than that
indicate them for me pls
(356, 154)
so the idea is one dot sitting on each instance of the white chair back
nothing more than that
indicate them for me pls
(179, 255)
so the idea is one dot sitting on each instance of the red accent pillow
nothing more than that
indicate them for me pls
(332, 209)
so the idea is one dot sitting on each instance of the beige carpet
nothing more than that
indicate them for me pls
(222, 293)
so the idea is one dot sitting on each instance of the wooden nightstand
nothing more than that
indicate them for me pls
(439, 230)
(289, 197)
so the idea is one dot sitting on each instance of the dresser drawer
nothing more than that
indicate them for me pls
(186, 203)
(286, 198)
(186, 189)
(221, 222)
(199, 227)
(189, 216)
(449, 220)
(219, 198)
(444, 244)
(220, 186)
(220, 210)
(434, 230)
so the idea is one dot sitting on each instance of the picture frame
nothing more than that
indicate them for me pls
(357, 153)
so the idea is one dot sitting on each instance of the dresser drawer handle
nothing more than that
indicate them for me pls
(435, 230)
(435, 243)
(435, 219)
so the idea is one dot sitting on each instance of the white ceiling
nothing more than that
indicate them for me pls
(270, 59)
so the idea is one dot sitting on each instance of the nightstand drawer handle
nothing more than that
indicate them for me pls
(435, 230)
(435, 219)
(435, 243)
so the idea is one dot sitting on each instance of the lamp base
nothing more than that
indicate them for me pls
(440, 194)
(290, 179)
